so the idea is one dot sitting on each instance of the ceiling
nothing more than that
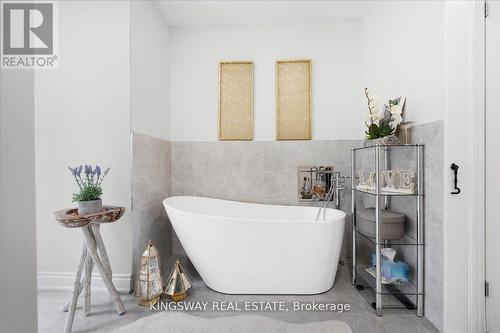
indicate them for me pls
(210, 13)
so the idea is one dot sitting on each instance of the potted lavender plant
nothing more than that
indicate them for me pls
(90, 185)
(382, 126)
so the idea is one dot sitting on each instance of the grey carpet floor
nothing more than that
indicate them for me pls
(178, 322)
(360, 318)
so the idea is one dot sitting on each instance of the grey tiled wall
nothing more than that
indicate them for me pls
(151, 158)
(432, 135)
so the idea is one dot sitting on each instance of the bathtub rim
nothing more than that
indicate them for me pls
(331, 220)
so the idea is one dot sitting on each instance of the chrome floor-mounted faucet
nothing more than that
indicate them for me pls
(336, 186)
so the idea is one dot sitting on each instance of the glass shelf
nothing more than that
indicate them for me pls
(362, 275)
(390, 301)
(407, 240)
(388, 146)
(388, 194)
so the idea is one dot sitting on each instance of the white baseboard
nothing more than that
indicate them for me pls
(66, 280)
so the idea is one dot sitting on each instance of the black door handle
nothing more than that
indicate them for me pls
(455, 190)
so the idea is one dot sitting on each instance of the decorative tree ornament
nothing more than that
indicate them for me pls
(149, 282)
(177, 283)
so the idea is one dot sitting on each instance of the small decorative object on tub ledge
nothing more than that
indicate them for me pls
(90, 186)
(313, 182)
(149, 281)
(177, 283)
(382, 126)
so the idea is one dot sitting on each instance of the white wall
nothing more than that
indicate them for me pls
(83, 116)
(18, 306)
(149, 70)
(335, 50)
(404, 54)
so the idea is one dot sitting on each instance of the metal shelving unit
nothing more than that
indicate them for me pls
(409, 295)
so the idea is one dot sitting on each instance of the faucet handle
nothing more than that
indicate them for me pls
(345, 178)
(338, 179)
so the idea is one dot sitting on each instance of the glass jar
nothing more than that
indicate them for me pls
(319, 187)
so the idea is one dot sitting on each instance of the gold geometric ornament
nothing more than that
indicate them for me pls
(293, 100)
(149, 280)
(177, 283)
(236, 100)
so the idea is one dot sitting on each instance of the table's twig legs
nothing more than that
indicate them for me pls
(96, 230)
(84, 283)
(89, 264)
(96, 234)
(66, 305)
(76, 289)
(92, 249)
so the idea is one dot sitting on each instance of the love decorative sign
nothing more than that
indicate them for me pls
(394, 181)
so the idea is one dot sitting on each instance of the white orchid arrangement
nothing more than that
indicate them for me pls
(381, 124)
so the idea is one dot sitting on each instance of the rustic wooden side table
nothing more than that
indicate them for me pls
(93, 252)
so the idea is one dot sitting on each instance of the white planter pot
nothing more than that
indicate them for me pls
(89, 207)
(387, 140)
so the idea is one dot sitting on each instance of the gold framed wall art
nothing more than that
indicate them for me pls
(236, 100)
(293, 99)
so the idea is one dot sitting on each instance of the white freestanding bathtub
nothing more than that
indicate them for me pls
(245, 248)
